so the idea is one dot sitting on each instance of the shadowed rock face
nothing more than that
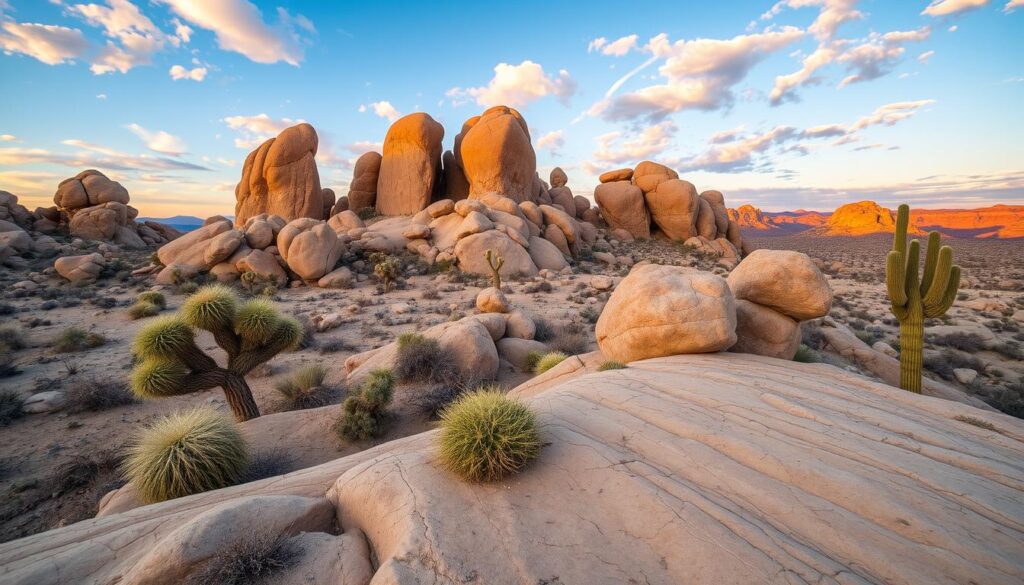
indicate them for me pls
(280, 178)
(705, 469)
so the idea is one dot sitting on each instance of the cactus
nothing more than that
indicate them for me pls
(495, 262)
(386, 268)
(250, 333)
(915, 297)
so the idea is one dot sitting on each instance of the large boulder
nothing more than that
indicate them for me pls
(547, 255)
(622, 206)
(310, 247)
(362, 192)
(764, 331)
(199, 250)
(456, 185)
(89, 188)
(717, 202)
(12, 236)
(280, 177)
(470, 252)
(84, 268)
(784, 280)
(666, 310)
(673, 207)
(497, 156)
(648, 175)
(99, 222)
(706, 226)
(411, 165)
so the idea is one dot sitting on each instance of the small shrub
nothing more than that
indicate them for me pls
(253, 558)
(367, 213)
(186, 453)
(806, 355)
(268, 463)
(571, 339)
(949, 360)
(363, 413)
(91, 395)
(532, 357)
(548, 361)
(143, 309)
(544, 331)
(969, 342)
(421, 359)
(13, 337)
(430, 294)
(386, 268)
(7, 367)
(611, 365)
(589, 314)
(77, 339)
(432, 400)
(303, 389)
(486, 436)
(152, 297)
(11, 406)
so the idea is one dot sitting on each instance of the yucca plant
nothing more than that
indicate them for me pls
(486, 436)
(186, 453)
(251, 333)
(915, 297)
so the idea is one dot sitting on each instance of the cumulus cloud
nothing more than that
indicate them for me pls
(159, 141)
(383, 109)
(698, 74)
(786, 84)
(239, 27)
(552, 141)
(878, 55)
(831, 14)
(48, 43)
(517, 85)
(622, 147)
(133, 36)
(254, 130)
(616, 48)
(950, 7)
(179, 72)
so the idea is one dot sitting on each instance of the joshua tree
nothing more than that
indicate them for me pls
(914, 298)
(495, 262)
(250, 333)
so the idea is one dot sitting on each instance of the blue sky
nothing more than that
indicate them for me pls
(785, 105)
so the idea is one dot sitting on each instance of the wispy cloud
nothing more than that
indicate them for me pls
(159, 141)
(48, 43)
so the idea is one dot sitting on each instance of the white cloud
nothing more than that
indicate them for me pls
(48, 43)
(878, 55)
(101, 96)
(382, 109)
(552, 141)
(889, 114)
(786, 84)
(8, 138)
(195, 74)
(738, 153)
(257, 129)
(159, 141)
(924, 57)
(831, 14)
(1013, 4)
(616, 48)
(137, 38)
(239, 27)
(948, 7)
(953, 28)
(618, 147)
(517, 85)
(699, 74)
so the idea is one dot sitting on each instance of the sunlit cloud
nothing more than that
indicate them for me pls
(159, 141)
(382, 109)
(133, 36)
(517, 85)
(178, 72)
(255, 130)
(621, 147)
(949, 7)
(552, 141)
(616, 48)
(47, 43)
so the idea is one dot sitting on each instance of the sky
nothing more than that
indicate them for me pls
(781, 104)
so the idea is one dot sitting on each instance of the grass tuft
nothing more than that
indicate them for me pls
(421, 359)
(11, 406)
(77, 339)
(611, 365)
(303, 389)
(143, 309)
(486, 436)
(254, 558)
(93, 395)
(548, 361)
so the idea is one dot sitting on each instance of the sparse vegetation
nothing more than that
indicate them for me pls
(186, 453)
(422, 359)
(303, 389)
(495, 262)
(486, 436)
(548, 361)
(571, 338)
(142, 309)
(254, 558)
(611, 365)
(11, 406)
(92, 394)
(12, 337)
(806, 355)
(363, 413)
(77, 339)
(387, 269)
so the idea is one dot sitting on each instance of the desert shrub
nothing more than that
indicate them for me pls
(589, 314)
(544, 332)
(11, 406)
(364, 412)
(308, 339)
(367, 213)
(969, 342)
(433, 399)
(153, 297)
(13, 337)
(252, 559)
(143, 309)
(548, 361)
(7, 367)
(186, 453)
(948, 360)
(303, 389)
(77, 339)
(486, 436)
(430, 294)
(532, 357)
(571, 338)
(611, 365)
(421, 359)
(334, 345)
(85, 469)
(268, 463)
(91, 395)
(1010, 349)
(806, 355)
(386, 268)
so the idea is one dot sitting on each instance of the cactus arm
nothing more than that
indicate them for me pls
(899, 242)
(943, 269)
(930, 259)
(495, 262)
(894, 279)
(911, 281)
(948, 297)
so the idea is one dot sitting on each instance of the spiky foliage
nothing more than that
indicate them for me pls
(186, 453)
(303, 389)
(495, 262)
(611, 365)
(152, 297)
(915, 296)
(143, 309)
(422, 359)
(363, 413)
(251, 333)
(486, 436)
(387, 268)
(548, 361)
(532, 357)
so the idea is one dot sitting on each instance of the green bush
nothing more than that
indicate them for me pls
(532, 357)
(421, 359)
(386, 268)
(77, 339)
(486, 436)
(303, 389)
(548, 361)
(806, 355)
(611, 365)
(186, 453)
(143, 309)
(364, 412)
(153, 297)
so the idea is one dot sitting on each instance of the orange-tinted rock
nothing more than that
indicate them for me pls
(616, 175)
(411, 165)
(622, 206)
(456, 186)
(647, 175)
(497, 156)
(280, 177)
(673, 207)
(363, 190)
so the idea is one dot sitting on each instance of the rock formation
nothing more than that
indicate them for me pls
(410, 170)
(496, 155)
(362, 192)
(280, 178)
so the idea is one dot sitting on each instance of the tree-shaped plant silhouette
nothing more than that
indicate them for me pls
(495, 262)
(250, 333)
(915, 297)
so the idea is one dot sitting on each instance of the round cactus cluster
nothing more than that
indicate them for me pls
(486, 436)
(250, 332)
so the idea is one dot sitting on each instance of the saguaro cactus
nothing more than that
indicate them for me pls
(495, 262)
(913, 298)
(250, 333)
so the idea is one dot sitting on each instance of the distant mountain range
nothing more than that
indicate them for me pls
(867, 217)
(182, 223)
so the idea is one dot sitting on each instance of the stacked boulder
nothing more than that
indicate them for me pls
(410, 168)
(362, 191)
(652, 201)
(280, 178)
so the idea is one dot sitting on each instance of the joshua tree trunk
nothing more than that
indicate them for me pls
(240, 399)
